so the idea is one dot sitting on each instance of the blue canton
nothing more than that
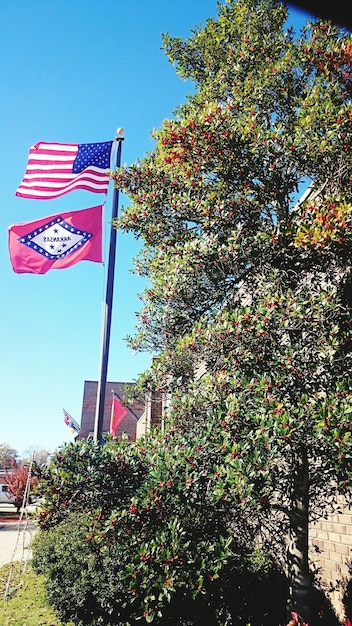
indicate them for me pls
(97, 154)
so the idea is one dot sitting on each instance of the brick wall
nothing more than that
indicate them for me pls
(152, 417)
(128, 425)
(331, 551)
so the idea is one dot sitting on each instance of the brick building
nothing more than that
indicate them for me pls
(153, 416)
(129, 423)
(331, 553)
(141, 418)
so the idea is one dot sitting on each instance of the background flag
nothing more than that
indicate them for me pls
(118, 414)
(70, 422)
(54, 169)
(57, 241)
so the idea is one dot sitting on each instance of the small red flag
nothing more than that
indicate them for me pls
(118, 414)
(57, 241)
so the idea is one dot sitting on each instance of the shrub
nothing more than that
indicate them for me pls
(166, 550)
(91, 586)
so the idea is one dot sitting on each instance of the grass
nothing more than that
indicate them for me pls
(27, 604)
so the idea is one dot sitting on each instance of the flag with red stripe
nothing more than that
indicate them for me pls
(54, 169)
(118, 413)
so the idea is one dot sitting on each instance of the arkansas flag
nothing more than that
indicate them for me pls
(54, 169)
(57, 241)
(118, 414)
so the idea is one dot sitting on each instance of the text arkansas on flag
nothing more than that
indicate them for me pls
(57, 241)
(54, 169)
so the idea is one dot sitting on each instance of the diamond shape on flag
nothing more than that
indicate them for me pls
(56, 239)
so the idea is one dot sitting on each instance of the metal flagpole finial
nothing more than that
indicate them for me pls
(120, 132)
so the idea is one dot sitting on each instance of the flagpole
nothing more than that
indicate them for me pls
(100, 403)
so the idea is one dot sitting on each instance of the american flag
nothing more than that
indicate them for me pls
(54, 169)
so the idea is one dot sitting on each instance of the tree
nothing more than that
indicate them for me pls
(20, 482)
(241, 276)
(7, 455)
(40, 456)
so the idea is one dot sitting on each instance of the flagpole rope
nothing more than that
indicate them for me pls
(26, 529)
(106, 247)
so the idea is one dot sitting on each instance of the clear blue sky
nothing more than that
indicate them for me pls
(73, 72)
